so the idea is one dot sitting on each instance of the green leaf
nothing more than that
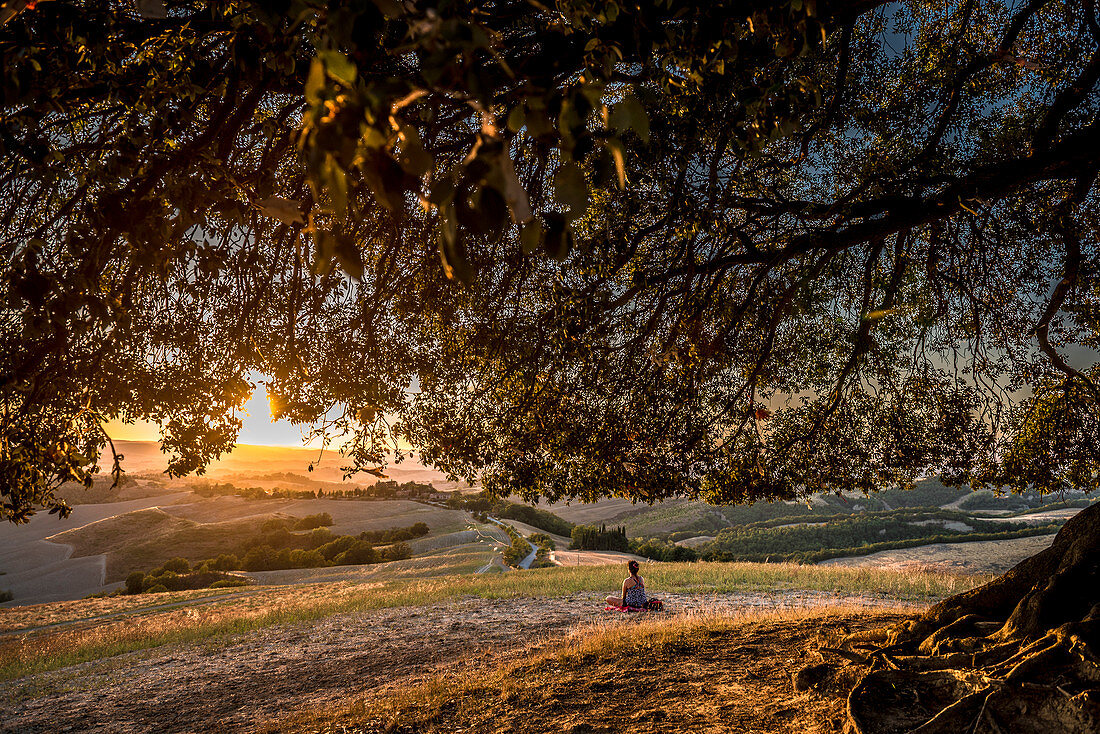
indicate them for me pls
(516, 118)
(286, 211)
(154, 9)
(323, 251)
(389, 8)
(493, 211)
(374, 138)
(339, 67)
(571, 189)
(503, 178)
(615, 148)
(559, 239)
(315, 82)
(452, 253)
(629, 114)
(387, 181)
(349, 257)
(442, 192)
(335, 181)
(414, 158)
(530, 237)
(570, 124)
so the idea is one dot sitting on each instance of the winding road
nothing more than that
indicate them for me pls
(525, 563)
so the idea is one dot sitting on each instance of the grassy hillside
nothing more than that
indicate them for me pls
(402, 584)
(823, 537)
(138, 541)
(687, 518)
(101, 491)
(145, 539)
(677, 675)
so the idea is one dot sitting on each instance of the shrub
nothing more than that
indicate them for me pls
(319, 537)
(309, 522)
(518, 550)
(157, 589)
(305, 559)
(590, 537)
(655, 550)
(6, 596)
(478, 503)
(334, 548)
(177, 564)
(259, 558)
(361, 552)
(542, 540)
(394, 535)
(278, 538)
(397, 552)
(282, 559)
(274, 524)
(227, 583)
(541, 519)
(134, 582)
(171, 580)
(226, 562)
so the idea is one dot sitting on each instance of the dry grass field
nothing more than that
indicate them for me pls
(101, 492)
(595, 558)
(597, 512)
(414, 583)
(482, 533)
(37, 570)
(983, 556)
(679, 675)
(640, 519)
(525, 530)
(141, 540)
(350, 516)
(461, 559)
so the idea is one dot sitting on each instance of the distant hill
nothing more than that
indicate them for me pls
(145, 457)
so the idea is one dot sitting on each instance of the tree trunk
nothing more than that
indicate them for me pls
(1019, 654)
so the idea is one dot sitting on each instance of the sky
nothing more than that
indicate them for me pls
(258, 427)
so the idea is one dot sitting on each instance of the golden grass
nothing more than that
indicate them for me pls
(144, 539)
(14, 619)
(268, 606)
(514, 684)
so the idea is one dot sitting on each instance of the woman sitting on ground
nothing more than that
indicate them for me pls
(633, 591)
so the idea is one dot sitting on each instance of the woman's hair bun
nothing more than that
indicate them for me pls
(633, 566)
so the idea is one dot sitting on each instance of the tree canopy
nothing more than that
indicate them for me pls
(728, 250)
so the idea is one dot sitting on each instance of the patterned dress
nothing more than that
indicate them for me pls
(635, 595)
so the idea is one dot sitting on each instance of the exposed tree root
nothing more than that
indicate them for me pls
(1020, 654)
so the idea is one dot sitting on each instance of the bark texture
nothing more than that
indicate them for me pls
(1019, 654)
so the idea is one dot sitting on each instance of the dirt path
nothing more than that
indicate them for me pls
(237, 684)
